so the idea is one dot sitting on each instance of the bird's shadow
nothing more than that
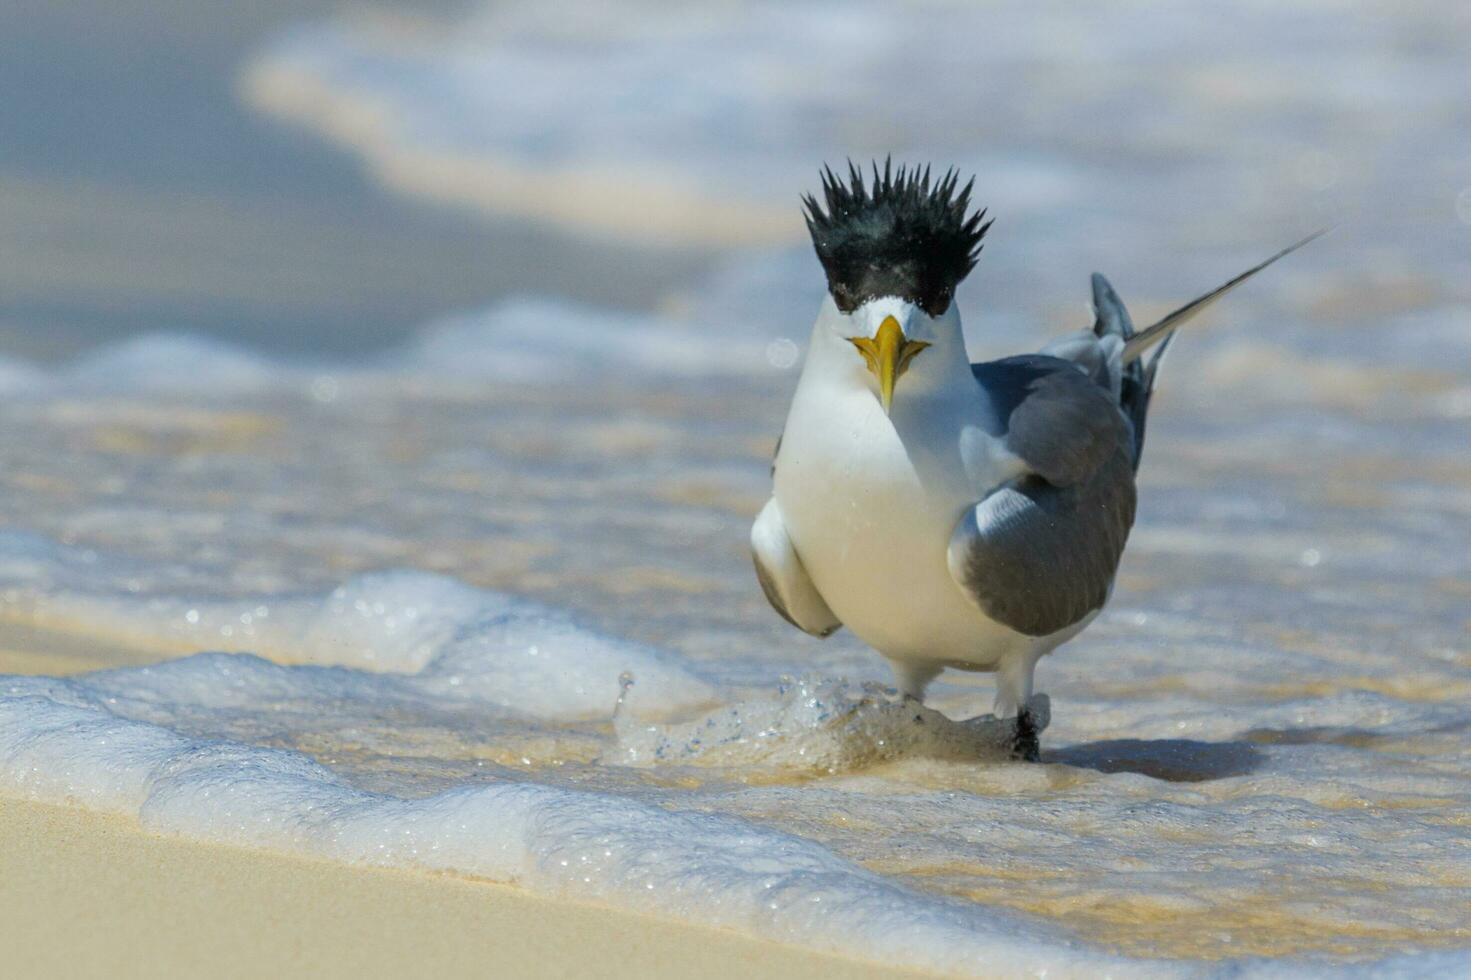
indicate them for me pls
(1174, 760)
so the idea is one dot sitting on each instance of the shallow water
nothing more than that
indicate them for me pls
(429, 576)
(1258, 750)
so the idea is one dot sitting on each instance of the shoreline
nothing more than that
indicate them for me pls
(89, 894)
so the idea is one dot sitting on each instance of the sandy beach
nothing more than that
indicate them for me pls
(89, 895)
(84, 894)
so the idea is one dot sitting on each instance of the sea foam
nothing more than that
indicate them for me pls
(410, 720)
(194, 746)
(59, 742)
(1256, 742)
(450, 640)
(517, 340)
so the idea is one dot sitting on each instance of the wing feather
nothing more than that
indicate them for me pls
(783, 578)
(1039, 553)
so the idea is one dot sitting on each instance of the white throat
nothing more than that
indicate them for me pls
(941, 367)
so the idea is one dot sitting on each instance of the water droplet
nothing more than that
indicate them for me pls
(782, 353)
(324, 388)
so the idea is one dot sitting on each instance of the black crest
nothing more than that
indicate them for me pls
(904, 236)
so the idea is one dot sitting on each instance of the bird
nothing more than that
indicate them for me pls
(951, 514)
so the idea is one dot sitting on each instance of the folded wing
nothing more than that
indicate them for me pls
(785, 582)
(1039, 553)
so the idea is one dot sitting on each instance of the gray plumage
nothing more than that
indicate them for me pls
(1039, 554)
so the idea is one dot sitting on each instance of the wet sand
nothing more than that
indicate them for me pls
(87, 894)
(91, 895)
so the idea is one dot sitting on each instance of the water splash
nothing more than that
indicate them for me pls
(816, 725)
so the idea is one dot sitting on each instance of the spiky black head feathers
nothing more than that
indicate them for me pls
(902, 237)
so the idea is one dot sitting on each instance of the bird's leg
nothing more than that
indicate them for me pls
(1014, 691)
(1025, 745)
(912, 678)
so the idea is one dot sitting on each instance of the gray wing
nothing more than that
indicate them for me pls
(785, 581)
(1039, 553)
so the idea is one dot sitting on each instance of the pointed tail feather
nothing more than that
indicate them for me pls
(1137, 374)
(1151, 335)
(1136, 378)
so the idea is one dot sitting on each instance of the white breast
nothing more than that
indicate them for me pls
(870, 502)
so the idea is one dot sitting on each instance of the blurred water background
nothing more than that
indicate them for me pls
(378, 342)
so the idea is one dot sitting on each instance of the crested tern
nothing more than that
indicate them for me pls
(950, 514)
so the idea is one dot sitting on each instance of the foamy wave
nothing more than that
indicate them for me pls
(552, 340)
(60, 742)
(455, 642)
(517, 340)
(409, 719)
(177, 745)
(696, 122)
(615, 124)
(215, 746)
(169, 363)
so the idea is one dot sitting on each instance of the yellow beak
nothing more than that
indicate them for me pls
(888, 354)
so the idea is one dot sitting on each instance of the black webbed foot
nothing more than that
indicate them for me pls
(1025, 745)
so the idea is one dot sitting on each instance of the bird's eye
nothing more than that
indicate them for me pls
(938, 301)
(843, 298)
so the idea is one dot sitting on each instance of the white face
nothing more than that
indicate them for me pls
(893, 346)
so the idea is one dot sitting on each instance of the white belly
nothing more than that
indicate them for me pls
(871, 522)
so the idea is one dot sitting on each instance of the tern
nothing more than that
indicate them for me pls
(949, 513)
